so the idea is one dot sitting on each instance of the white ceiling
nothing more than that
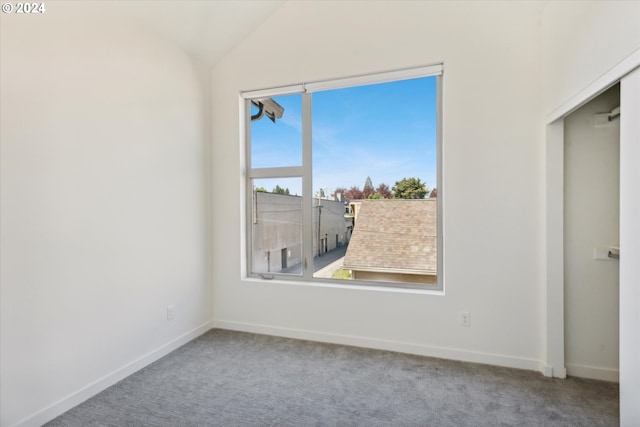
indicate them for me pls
(207, 29)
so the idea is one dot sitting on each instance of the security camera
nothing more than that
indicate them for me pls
(267, 107)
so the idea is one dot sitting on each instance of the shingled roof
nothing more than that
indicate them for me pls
(395, 236)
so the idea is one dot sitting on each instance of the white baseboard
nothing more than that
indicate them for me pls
(593, 372)
(380, 344)
(49, 413)
(546, 370)
(552, 372)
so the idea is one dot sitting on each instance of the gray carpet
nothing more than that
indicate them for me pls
(226, 378)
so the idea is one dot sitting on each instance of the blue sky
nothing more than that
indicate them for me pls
(386, 131)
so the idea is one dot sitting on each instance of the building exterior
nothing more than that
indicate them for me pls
(395, 240)
(277, 230)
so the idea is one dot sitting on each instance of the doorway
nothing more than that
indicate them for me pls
(628, 74)
(591, 238)
(284, 256)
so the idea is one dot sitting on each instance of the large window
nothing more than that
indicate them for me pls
(344, 180)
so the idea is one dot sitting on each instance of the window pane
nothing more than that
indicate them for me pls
(332, 228)
(375, 157)
(276, 226)
(276, 131)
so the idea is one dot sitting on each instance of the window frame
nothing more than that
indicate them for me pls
(305, 170)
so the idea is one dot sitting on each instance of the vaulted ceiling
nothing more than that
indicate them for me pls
(207, 29)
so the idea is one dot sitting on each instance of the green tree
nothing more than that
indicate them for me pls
(410, 188)
(261, 189)
(280, 190)
(368, 189)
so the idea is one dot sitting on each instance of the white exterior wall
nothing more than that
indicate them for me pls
(277, 225)
(493, 132)
(104, 159)
(332, 224)
(276, 222)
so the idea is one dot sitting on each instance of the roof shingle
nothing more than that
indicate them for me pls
(395, 235)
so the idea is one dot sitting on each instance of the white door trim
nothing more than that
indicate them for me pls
(554, 363)
(630, 249)
(598, 86)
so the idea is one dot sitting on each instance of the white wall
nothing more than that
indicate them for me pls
(493, 172)
(591, 220)
(104, 152)
(582, 40)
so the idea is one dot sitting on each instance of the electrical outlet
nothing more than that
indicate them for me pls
(465, 319)
(171, 312)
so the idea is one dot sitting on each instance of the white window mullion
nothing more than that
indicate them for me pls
(440, 178)
(246, 117)
(307, 190)
(277, 172)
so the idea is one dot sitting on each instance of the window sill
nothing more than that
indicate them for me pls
(358, 287)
